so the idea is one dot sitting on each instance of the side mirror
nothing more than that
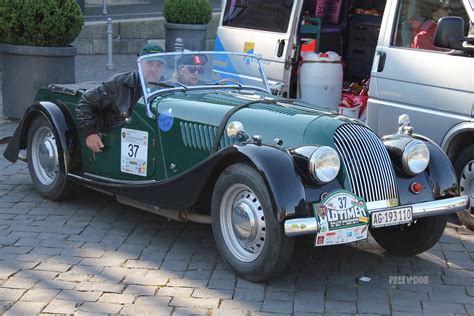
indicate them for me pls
(449, 33)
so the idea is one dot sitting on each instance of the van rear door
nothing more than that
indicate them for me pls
(265, 28)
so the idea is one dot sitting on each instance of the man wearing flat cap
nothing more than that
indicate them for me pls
(189, 69)
(106, 106)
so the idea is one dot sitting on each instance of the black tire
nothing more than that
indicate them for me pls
(266, 251)
(411, 240)
(46, 171)
(464, 167)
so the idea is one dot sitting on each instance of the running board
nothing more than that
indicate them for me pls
(178, 215)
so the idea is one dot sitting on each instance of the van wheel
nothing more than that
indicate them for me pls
(44, 166)
(464, 167)
(249, 238)
(413, 239)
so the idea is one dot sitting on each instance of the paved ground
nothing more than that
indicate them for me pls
(91, 255)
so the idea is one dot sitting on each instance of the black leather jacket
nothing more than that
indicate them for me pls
(106, 106)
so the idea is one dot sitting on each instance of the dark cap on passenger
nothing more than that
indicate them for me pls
(192, 60)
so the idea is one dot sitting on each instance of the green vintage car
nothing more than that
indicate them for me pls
(259, 168)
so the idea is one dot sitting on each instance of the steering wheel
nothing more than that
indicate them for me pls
(228, 80)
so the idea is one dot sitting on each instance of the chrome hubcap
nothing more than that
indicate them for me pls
(466, 182)
(243, 223)
(44, 155)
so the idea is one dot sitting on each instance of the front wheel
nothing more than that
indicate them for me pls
(249, 238)
(464, 167)
(410, 240)
(44, 165)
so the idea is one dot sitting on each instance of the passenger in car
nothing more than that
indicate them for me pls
(106, 106)
(189, 69)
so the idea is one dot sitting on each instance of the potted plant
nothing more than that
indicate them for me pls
(188, 20)
(35, 39)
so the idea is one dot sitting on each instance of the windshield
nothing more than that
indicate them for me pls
(191, 70)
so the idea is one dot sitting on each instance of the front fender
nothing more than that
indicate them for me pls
(63, 128)
(440, 173)
(279, 172)
(438, 180)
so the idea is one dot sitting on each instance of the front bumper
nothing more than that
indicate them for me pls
(308, 225)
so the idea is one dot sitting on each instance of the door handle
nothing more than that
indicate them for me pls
(382, 58)
(281, 48)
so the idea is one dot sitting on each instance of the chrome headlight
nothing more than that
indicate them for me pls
(324, 164)
(416, 157)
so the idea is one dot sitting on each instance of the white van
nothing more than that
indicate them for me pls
(390, 42)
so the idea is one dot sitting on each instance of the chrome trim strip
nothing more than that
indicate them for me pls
(440, 207)
(109, 181)
(308, 225)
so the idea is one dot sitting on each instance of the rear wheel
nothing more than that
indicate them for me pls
(46, 170)
(410, 240)
(464, 167)
(249, 238)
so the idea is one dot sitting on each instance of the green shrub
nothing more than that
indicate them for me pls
(53, 23)
(187, 11)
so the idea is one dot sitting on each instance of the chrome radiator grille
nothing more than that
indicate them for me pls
(367, 163)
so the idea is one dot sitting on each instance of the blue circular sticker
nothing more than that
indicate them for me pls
(166, 120)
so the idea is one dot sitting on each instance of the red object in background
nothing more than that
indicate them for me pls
(356, 97)
(423, 34)
(309, 46)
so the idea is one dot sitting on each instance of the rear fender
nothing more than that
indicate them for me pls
(63, 128)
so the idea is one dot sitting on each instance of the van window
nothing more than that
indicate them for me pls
(417, 20)
(263, 15)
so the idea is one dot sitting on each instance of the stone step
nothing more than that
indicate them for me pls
(128, 36)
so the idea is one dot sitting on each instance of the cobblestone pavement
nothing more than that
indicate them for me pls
(91, 255)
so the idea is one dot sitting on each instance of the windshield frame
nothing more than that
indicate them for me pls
(469, 5)
(149, 97)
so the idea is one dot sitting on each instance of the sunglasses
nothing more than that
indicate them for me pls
(193, 69)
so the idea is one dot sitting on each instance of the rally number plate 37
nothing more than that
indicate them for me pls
(342, 217)
(398, 216)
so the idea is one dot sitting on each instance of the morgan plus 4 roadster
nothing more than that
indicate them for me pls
(259, 168)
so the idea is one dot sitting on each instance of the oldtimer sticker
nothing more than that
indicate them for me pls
(134, 152)
(342, 217)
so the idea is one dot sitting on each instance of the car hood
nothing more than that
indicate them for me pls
(294, 122)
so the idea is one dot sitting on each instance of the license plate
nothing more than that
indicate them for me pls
(392, 217)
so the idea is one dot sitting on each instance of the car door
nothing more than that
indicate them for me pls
(412, 76)
(262, 27)
(130, 152)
